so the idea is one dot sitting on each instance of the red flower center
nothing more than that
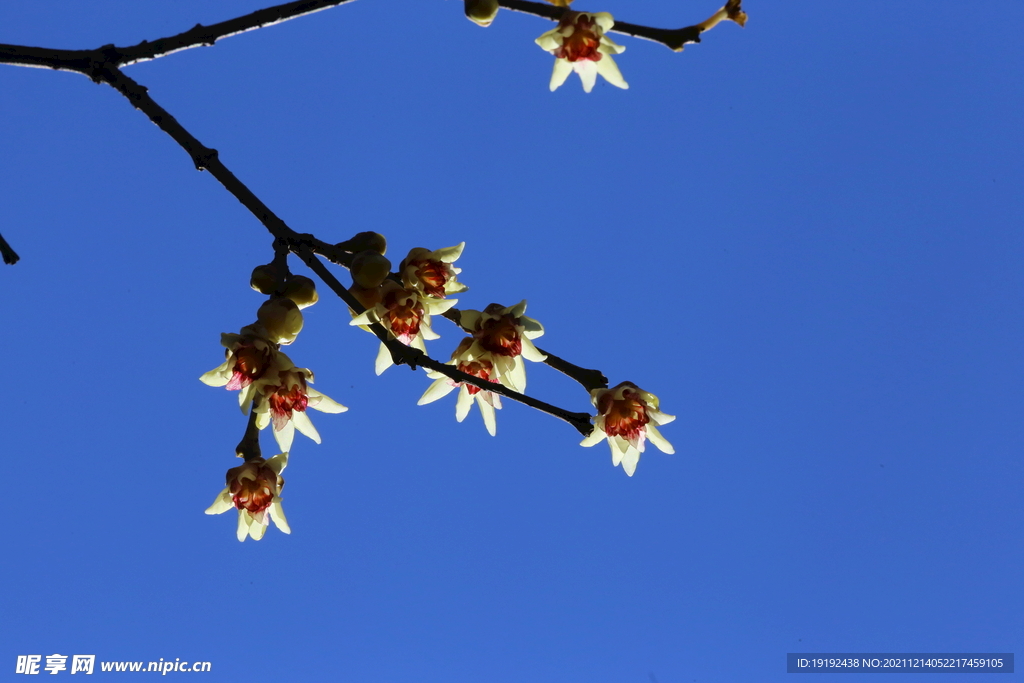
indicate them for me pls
(250, 364)
(625, 417)
(477, 368)
(500, 336)
(584, 41)
(283, 400)
(405, 313)
(254, 495)
(433, 275)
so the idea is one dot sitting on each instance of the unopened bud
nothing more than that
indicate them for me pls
(481, 12)
(367, 296)
(369, 269)
(301, 290)
(363, 241)
(265, 278)
(281, 318)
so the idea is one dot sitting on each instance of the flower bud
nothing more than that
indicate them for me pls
(367, 296)
(265, 278)
(369, 240)
(369, 269)
(281, 318)
(481, 12)
(301, 290)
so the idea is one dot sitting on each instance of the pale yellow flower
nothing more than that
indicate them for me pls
(626, 416)
(254, 488)
(579, 44)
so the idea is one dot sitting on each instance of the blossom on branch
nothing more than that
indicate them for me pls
(626, 416)
(286, 395)
(481, 366)
(250, 355)
(504, 334)
(579, 44)
(405, 314)
(254, 488)
(432, 272)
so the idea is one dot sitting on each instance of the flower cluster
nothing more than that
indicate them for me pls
(405, 309)
(501, 339)
(278, 393)
(626, 416)
(260, 371)
(275, 392)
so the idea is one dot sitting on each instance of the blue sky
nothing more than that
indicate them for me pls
(804, 236)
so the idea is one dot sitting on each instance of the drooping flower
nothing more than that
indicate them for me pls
(505, 334)
(626, 416)
(579, 44)
(286, 395)
(254, 488)
(432, 272)
(481, 366)
(250, 355)
(405, 313)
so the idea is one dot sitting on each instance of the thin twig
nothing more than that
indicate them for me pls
(207, 35)
(674, 39)
(83, 61)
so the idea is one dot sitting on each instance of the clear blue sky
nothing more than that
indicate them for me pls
(804, 236)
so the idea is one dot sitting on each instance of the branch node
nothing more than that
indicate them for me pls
(204, 158)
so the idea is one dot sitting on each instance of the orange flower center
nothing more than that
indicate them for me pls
(625, 417)
(254, 495)
(584, 41)
(433, 275)
(500, 336)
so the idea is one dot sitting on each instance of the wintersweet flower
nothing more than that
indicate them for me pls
(626, 416)
(505, 334)
(405, 313)
(286, 395)
(255, 489)
(579, 44)
(249, 355)
(482, 367)
(432, 272)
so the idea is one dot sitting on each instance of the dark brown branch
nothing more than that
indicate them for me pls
(590, 379)
(10, 256)
(86, 61)
(675, 39)
(249, 446)
(207, 35)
